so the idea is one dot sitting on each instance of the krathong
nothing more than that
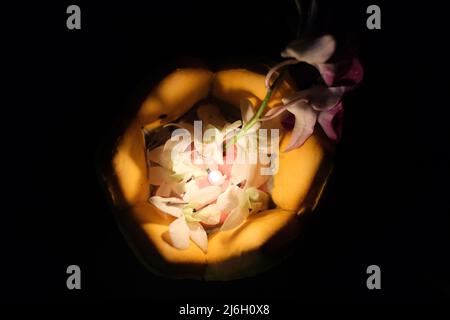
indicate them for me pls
(201, 183)
(212, 176)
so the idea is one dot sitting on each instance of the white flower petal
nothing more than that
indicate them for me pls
(235, 218)
(210, 114)
(178, 188)
(212, 153)
(209, 214)
(232, 198)
(202, 196)
(305, 120)
(179, 233)
(198, 235)
(247, 111)
(259, 200)
(168, 205)
(313, 52)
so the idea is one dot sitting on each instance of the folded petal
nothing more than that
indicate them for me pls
(259, 200)
(202, 196)
(305, 120)
(325, 98)
(328, 72)
(210, 114)
(235, 218)
(314, 51)
(247, 111)
(273, 112)
(348, 73)
(179, 233)
(232, 198)
(209, 214)
(326, 118)
(242, 172)
(198, 235)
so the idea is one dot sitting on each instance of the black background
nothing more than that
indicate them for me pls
(386, 204)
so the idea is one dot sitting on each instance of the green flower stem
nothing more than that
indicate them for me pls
(260, 111)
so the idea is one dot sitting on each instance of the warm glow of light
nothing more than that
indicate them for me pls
(215, 177)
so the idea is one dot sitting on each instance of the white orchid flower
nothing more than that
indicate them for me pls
(181, 231)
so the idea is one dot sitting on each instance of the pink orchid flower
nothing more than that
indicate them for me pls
(321, 103)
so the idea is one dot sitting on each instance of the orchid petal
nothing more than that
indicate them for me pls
(313, 52)
(275, 68)
(324, 98)
(230, 128)
(355, 72)
(178, 188)
(235, 218)
(209, 214)
(328, 72)
(273, 112)
(164, 204)
(185, 167)
(202, 196)
(198, 235)
(232, 198)
(259, 199)
(325, 120)
(179, 233)
(305, 120)
(346, 73)
(210, 114)
(212, 153)
(247, 111)
(241, 172)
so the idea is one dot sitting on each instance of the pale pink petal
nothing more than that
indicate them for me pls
(324, 98)
(179, 233)
(325, 120)
(305, 120)
(327, 71)
(198, 235)
(273, 112)
(275, 68)
(247, 111)
(203, 182)
(348, 73)
(257, 179)
(202, 196)
(210, 114)
(241, 172)
(311, 51)
(232, 198)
